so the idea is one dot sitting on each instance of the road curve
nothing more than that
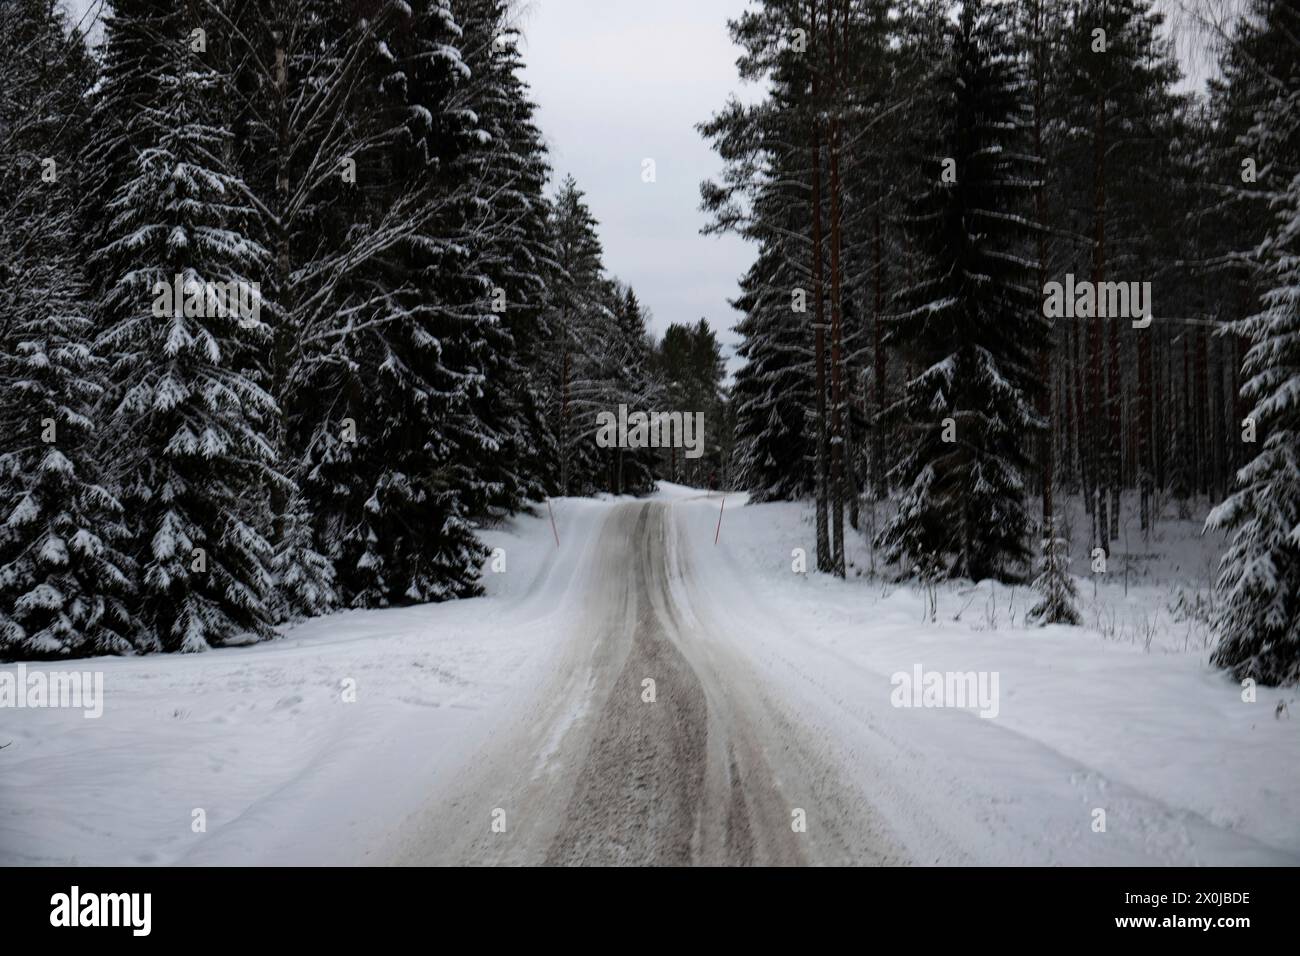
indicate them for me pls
(591, 771)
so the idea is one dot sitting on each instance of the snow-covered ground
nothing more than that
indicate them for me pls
(1088, 719)
(287, 770)
(261, 738)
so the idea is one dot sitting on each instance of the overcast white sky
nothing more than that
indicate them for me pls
(621, 81)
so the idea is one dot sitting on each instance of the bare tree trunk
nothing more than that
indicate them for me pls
(1184, 461)
(1202, 413)
(1160, 418)
(1116, 433)
(1219, 422)
(1146, 471)
(1068, 434)
(857, 403)
(1097, 452)
(837, 320)
(880, 471)
(1081, 450)
(283, 264)
(1047, 444)
(819, 327)
(564, 400)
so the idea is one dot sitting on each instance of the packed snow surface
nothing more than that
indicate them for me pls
(371, 736)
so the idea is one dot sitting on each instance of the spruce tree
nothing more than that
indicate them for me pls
(771, 392)
(64, 581)
(392, 458)
(187, 417)
(762, 197)
(1258, 619)
(504, 223)
(1058, 595)
(972, 322)
(628, 356)
(286, 85)
(581, 319)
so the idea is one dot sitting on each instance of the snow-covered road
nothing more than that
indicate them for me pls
(521, 727)
(650, 742)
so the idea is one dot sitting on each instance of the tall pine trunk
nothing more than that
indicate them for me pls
(1047, 448)
(880, 472)
(1098, 451)
(819, 330)
(1146, 470)
(837, 321)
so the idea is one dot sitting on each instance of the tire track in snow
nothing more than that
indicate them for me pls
(592, 774)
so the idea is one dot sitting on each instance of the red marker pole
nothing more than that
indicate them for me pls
(552, 514)
(720, 510)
